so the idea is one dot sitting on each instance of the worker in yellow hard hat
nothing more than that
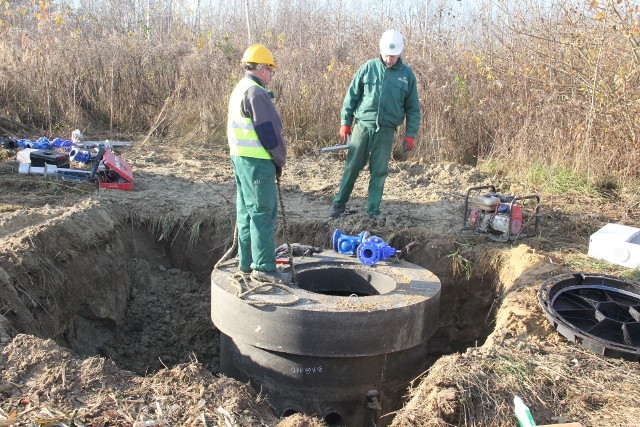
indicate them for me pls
(258, 54)
(258, 154)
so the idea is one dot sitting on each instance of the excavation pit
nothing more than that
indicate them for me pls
(137, 291)
(345, 351)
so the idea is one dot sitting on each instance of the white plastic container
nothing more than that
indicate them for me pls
(616, 243)
(24, 156)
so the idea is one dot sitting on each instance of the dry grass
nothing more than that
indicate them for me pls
(45, 385)
(553, 84)
(559, 383)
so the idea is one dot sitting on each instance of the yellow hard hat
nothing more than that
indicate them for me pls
(259, 54)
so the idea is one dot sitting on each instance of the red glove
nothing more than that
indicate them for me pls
(408, 143)
(344, 131)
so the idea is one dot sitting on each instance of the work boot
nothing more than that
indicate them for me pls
(274, 276)
(336, 211)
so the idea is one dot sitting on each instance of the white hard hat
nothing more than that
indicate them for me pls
(391, 43)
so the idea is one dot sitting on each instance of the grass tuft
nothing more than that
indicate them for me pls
(461, 266)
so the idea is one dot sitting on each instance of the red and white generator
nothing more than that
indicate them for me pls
(502, 217)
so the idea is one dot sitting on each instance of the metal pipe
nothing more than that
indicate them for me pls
(337, 147)
(55, 172)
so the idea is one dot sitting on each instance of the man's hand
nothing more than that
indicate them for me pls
(278, 171)
(408, 143)
(344, 131)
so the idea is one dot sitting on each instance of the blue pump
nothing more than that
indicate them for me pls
(347, 245)
(374, 249)
(369, 249)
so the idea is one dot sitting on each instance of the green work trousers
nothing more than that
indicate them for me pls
(374, 146)
(256, 212)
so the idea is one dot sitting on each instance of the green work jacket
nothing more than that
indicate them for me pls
(381, 97)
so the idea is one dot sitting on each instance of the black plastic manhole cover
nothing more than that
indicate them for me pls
(596, 311)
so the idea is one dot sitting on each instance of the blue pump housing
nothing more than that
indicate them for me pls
(369, 249)
(347, 245)
(374, 249)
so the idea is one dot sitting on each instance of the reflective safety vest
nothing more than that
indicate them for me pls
(243, 139)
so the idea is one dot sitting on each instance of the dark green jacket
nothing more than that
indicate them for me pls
(381, 97)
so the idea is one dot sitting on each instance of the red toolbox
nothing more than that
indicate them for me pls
(40, 157)
(117, 173)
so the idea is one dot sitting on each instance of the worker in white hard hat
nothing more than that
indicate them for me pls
(382, 94)
(258, 154)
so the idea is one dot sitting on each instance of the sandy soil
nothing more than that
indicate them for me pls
(104, 305)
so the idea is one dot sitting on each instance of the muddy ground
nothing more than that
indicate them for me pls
(104, 295)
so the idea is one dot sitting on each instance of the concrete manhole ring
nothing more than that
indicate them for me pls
(358, 334)
(597, 311)
(373, 303)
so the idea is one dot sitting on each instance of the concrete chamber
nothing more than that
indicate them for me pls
(345, 351)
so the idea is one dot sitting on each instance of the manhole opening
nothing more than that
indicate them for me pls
(338, 281)
(333, 419)
(288, 412)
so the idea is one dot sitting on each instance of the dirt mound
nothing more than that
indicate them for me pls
(524, 356)
(45, 384)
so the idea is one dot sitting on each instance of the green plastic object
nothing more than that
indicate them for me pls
(523, 414)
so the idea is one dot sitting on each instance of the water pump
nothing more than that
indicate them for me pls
(503, 217)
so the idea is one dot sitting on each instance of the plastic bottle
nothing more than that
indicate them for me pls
(523, 414)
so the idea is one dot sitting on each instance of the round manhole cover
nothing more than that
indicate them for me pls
(599, 312)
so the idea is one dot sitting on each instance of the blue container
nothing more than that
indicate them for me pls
(62, 144)
(42, 144)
